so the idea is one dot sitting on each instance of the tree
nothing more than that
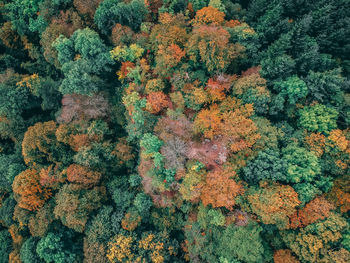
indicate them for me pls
(124, 53)
(143, 203)
(208, 121)
(82, 176)
(122, 35)
(16, 108)
(210, 45)
(218, 5)
(39, 224)
(110, 12)
(54, 247)
(217, 88)
(97, 155)
(10, 166)
(268, 165)
(83, 57)
(28, 251)
(65, 24)
(208, 217)
(150, 143)
(99, 230)
(318, 118)
(209, 15)
(83, 107)
(23, 15)
(190, 188)
(6, 246)
(340, 193)
(87, 7)
(274, 204)
(284, 256)
(272, 23)
(317, 209)
(30, 194)
(220, 189)
(176, 25)
(251, 88)
(316, 142)
(293, 88)
(40, 145)
(74, 205)
(124, 152)
(167, 59)
(240, 130)
(325, 86)
(156, 102)
(302, 165)
(312, 242)
(7, 210)
(174, 151)
(151, 247)
(243, 243)
(277, 67)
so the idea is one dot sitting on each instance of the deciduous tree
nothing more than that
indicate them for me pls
(30, 194)
(220, 189)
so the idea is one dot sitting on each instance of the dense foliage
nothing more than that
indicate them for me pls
(174, 131)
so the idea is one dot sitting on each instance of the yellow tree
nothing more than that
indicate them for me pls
(211, 45)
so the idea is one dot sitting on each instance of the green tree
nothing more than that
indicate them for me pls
(110, 12)
(293, 88)
(302, 165)
(198, 4)
(268, 165)
(16, 108)
(272, 23)
(24, 15)
(208, 217)
(243, 243)
(7, 210)
(326, 86)
(54, 248)
(318, 118)
(143, 203)
(83, 58)
(28, 252)
(150, 143)
(6, 246)
(10, 166)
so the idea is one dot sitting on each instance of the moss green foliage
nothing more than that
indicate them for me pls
(245, 244)
(318, 118)
(302, 165)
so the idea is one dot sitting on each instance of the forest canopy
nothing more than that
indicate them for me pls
(154, 131)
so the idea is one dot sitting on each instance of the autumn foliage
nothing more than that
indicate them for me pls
(168, 131)
(220, 189)
(317, 209)
(31, 195)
